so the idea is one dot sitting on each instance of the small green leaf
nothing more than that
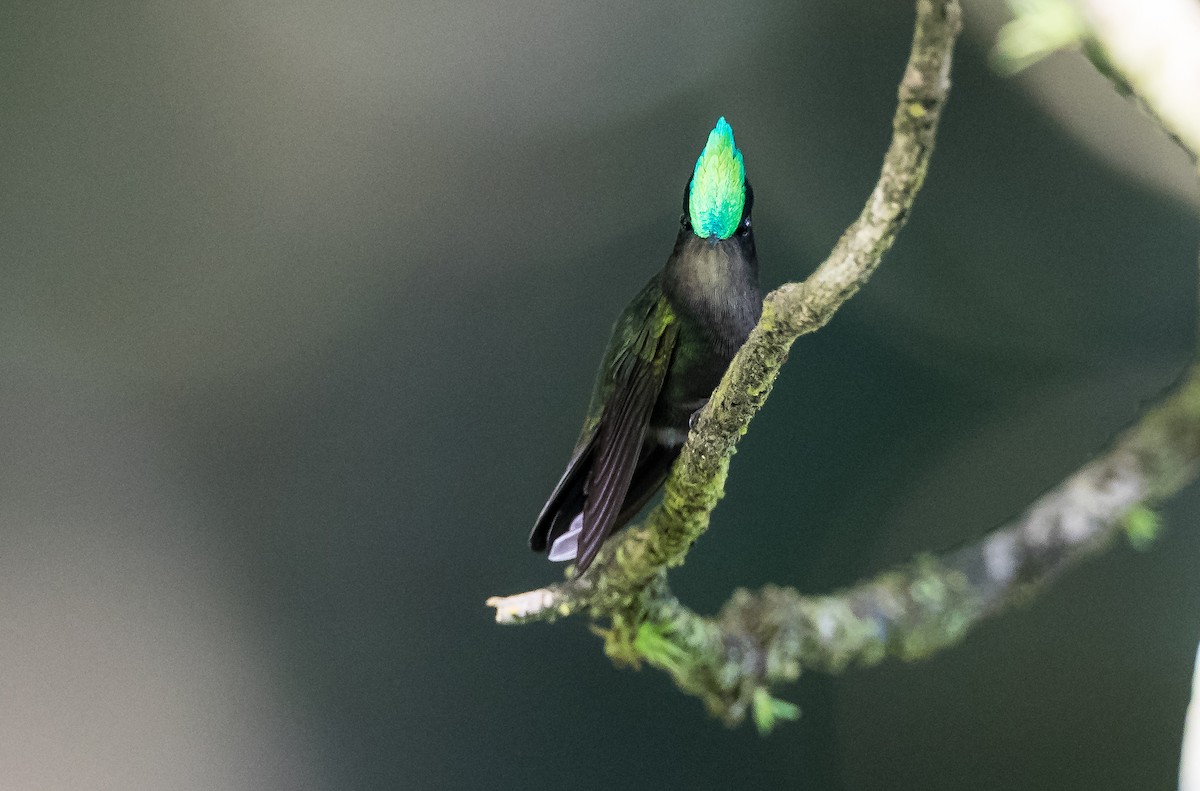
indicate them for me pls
(768, 710)
(1142, 526)
(660, 651)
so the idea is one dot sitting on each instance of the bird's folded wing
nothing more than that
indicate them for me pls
(638, 372)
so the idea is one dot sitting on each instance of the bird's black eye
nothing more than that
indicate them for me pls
(744, 227)
(685, 222)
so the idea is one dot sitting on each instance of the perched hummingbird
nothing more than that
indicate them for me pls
(668, 351)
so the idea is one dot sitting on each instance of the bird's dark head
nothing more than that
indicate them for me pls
(718, 198)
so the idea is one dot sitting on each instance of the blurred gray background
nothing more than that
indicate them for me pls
(300, 307)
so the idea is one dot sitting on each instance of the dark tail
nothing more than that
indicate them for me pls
(570, 495)
(565, 502)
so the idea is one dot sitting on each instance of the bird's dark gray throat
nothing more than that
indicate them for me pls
(713, 289)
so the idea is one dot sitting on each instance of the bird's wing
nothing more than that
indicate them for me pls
(643, 333)
(627, 333)
(638, 371)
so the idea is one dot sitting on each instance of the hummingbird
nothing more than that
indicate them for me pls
(668, 351)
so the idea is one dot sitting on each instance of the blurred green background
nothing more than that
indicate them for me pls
(301, 304)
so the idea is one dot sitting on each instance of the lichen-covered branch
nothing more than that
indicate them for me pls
(631, 561)
(762, 639)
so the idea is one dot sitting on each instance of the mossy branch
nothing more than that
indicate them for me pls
(762, 639)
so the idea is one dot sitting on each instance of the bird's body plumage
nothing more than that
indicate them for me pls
(668, 351)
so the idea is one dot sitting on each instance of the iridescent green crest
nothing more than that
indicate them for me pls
(718, 189)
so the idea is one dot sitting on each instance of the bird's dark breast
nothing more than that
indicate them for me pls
(713, 290)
